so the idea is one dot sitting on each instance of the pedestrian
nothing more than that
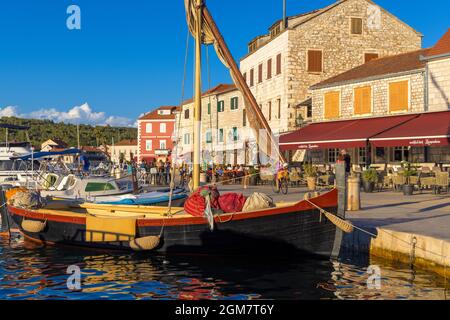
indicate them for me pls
(167, 172)
(345, 158)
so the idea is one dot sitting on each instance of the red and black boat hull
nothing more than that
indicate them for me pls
(301, 229)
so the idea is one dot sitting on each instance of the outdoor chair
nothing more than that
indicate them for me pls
(398, 181)
(442, 181)
(294, 177)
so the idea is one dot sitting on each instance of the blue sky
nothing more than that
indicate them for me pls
(128, 56)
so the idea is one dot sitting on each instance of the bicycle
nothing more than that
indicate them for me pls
(281, 182)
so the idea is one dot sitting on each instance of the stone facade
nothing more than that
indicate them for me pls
(327, 30)
(380, 97)
(439, 84)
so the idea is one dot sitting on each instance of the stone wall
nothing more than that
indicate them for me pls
(329, 32)
(380, 97)
(439, 85)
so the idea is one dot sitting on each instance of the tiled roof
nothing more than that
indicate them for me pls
(127, 142)
(441, 47)
(379, 67)
(154, 115)
(221, 88)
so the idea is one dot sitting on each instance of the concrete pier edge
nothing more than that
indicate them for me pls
(418, 251)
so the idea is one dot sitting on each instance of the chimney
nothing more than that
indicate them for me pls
(284, 15)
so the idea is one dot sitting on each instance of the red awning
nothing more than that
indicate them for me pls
(428, 129)
(340, 134)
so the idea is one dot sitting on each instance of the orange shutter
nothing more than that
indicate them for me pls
(399, 96)
(332, 100)
(363, 100)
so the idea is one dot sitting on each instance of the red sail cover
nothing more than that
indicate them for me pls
(428, 130)
(340, 134)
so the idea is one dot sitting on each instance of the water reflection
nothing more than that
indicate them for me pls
(30, 272)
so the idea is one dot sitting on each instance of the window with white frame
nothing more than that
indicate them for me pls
(333, 155)
(162, 128)
(362, 155)
(148, 128)
(148, 145)
(162, 144)
(187, 138)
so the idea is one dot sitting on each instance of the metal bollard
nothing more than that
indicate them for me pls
(353, 195)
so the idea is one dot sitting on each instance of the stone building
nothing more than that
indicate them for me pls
(387, 110)
(438, 74)
(314, 46)
(225, 132)
(125, 150)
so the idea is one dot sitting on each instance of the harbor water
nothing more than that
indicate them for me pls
(31, 272)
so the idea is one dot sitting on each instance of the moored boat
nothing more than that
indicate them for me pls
(297, 227)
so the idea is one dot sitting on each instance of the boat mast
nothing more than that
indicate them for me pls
(198, 94)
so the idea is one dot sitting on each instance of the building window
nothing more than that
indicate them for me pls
(252, 74)
(260, 73)
(333, 155)
(148, 128)
(234, 103)
(244, 118)
(362, 100)
(162, 144)
(279, 108)
(186, 114)
(331, 104)
(356, 25)
(399, 96)
(400, 154)
(278, 64)
(270, 110)
(309, 111)
(187, 138)
(209, 108)
(148, 145)
(162, 128)
(315, 62)
(235, 134)
(370, 56)
(208, 137)
(269, 69)
(220, 106)
(362, 155)
(220, 135)
(245, 77)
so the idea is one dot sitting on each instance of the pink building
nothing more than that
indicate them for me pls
(155, 131)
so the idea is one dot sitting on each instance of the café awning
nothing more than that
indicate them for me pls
(340, 134)
(427, 130)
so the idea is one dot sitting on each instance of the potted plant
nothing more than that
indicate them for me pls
(311, 175)
(408, 172)
(369, 178)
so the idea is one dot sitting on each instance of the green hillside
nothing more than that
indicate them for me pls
(42, 130)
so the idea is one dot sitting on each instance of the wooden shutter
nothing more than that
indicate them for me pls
(398, 96)
(260, 73)
(314, 61)
(270, 110)
(251, 77)
(331, 104)
(370, 56)
(245, 77)
(269, 69)
(356, 26)
(363, 100)
(244, 118)
(279, 64)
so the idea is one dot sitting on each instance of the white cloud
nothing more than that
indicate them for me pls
(9, 111)
(78, 114)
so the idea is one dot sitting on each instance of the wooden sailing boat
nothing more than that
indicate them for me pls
(298, 226)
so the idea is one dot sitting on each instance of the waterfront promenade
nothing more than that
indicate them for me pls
(407, 229)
